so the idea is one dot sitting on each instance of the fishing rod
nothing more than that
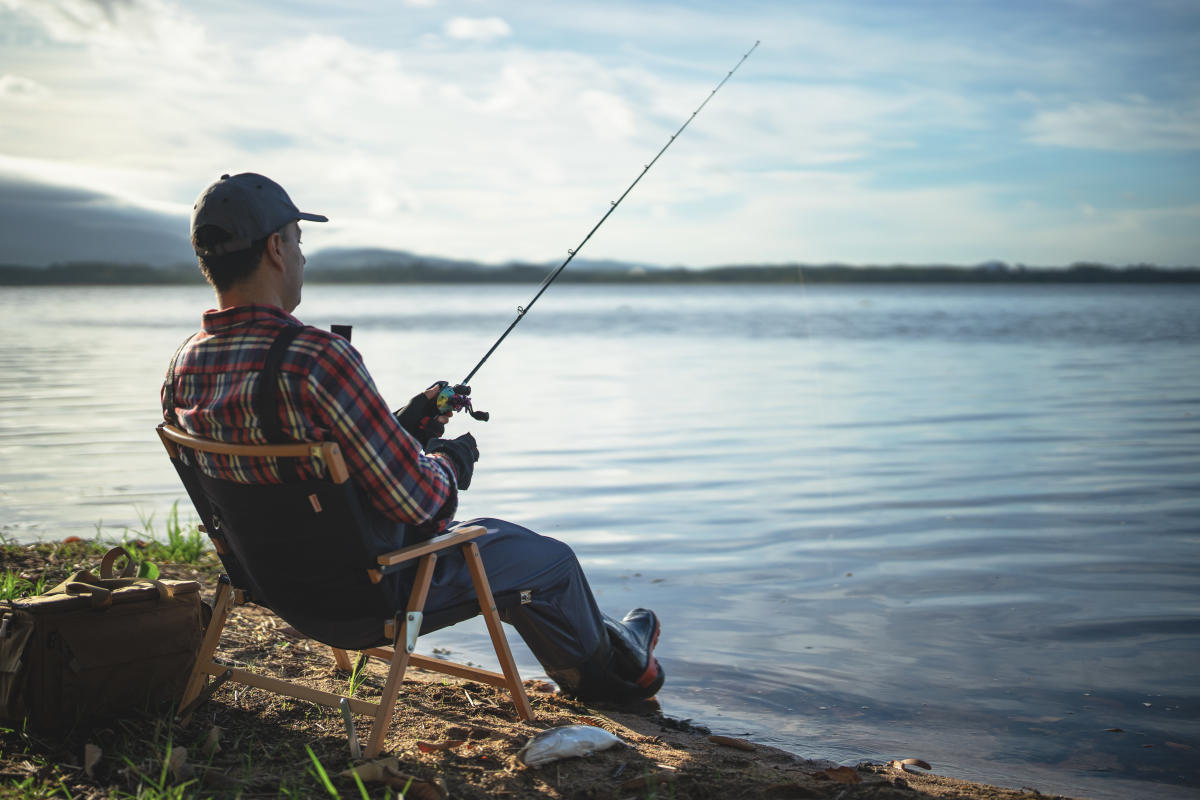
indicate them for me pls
(458, 397)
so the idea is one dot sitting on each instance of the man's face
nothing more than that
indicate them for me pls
(293, 261)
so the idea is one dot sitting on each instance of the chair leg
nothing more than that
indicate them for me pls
(341, 659)
(212, 636)
(399, 661)
(487, 605)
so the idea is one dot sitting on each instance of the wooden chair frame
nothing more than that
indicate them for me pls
(402, 631)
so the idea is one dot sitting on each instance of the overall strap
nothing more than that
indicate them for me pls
(267, 401)
(169, 393)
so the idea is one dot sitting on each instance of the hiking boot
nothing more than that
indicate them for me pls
(633, 640)
(623, 669)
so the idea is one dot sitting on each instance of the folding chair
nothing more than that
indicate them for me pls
(299, 548)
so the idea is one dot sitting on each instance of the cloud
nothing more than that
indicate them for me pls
(115, 24)
(21, 89)
(482, 29)
(824, 145)
(75, 20)
(1129, 125)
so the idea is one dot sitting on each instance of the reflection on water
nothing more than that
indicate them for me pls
(949, 522)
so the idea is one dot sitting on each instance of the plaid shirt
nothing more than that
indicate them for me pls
(326, 394)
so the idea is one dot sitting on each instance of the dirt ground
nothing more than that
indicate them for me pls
(451, 739)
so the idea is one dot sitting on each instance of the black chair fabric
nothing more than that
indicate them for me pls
(299, 549)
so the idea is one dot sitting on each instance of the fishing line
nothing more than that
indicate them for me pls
(458, 397)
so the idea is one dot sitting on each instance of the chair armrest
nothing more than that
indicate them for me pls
(464, 533)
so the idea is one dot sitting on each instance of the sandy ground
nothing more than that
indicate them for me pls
(450, 739)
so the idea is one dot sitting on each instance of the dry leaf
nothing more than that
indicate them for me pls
(595, 723)
(212, 743)
(91, 757)
(177, 762)
(729, 741)
(387, 771)
(374, 771)
(424, 790)
(839, 775)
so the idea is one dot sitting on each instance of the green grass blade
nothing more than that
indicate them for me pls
(322, 774)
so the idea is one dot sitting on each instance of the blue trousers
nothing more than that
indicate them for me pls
(560, 623)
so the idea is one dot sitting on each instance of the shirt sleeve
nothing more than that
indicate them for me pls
(403, 482)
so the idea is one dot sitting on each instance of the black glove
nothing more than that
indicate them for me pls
(462, 451)
(437, 524)
(420, 417)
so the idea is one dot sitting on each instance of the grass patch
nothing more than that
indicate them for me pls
(14, 585)
(31, 569)
(178, 547)
(183, 542)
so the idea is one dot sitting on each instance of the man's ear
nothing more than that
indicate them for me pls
(273, 252)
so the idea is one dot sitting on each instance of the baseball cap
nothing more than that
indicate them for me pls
(248, 207)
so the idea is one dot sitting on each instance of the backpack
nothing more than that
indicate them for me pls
(97, 646)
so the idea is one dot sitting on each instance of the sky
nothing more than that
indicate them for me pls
(1040, 132)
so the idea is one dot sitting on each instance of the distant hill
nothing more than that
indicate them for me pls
(57, 235)
(343, 259)
(43, 224)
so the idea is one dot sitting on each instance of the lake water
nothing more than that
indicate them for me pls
(956, 523)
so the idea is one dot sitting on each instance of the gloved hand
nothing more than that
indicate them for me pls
(462, 451)
(421, 417)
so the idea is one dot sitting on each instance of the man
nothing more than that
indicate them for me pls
(246, 234)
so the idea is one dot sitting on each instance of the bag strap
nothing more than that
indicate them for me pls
(100, 589)
(16, 629)
(84, 583)
(267, 401)
(110, 558)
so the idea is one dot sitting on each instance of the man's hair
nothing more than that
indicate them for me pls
(224, 270)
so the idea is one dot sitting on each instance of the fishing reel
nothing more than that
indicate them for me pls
(458, 398)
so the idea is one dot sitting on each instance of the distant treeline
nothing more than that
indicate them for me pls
(87, 273)
(416, 271)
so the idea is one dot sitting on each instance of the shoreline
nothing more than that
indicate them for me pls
(452, 738)
(418, 271)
